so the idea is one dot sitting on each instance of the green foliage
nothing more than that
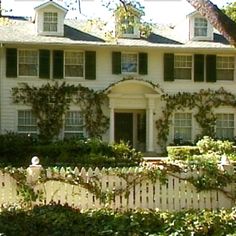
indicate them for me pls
(17, 150)
(58, 220)
(206, 145)
(205, 159)
(209, 145)
(87, 153)
(181, 152)
(51, 101)
(203, 102)
(230, 10)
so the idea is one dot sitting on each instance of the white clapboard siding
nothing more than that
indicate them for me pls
(176, 194)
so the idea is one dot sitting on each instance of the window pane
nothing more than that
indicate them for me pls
(128, 25)
(225, 126)
(129, 63)
(74, 64)
(200, 27)
(73, 124)
(183, 67)
(50, 22)
(26, 122)
(183, 126)
(28, 62)
(225, 67)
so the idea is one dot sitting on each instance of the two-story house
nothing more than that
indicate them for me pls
(133, 71)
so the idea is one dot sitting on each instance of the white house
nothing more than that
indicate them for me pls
(134, 72)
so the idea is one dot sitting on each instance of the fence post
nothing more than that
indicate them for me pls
(226, 165)
(33, 171)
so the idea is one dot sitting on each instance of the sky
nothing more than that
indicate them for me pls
(156, 11)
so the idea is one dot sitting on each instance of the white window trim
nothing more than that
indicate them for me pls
(192, 36)
(70, 77)
(17, 125)
(173, 124)
(234, 69)
(192, 68)
(129, 53)
(228, 113)
(123, 22)
(73, 132)
(18, 63)
(200, 36)
(50, 32)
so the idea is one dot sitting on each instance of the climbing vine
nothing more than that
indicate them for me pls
(210, 178)
(131, 78)
(51, 101)
(203, 101)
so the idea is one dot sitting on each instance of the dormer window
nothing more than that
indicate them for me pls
(128, 25)
(50, 20)
(128, 21)
(200, 27)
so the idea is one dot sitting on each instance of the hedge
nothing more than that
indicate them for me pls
(57, 220)
(17, 150)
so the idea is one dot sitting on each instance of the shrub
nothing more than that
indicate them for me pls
(205, 146)
(181, 152)
(60, 220)
(17, 150)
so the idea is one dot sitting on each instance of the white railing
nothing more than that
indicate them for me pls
(176, 194)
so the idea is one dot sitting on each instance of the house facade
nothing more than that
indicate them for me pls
(134, 72)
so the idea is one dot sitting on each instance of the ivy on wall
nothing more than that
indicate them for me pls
(203, 102)
(51, 101)
(131, 78)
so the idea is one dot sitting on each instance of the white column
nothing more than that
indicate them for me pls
(150, 130)
(112, 126)
(150, 122)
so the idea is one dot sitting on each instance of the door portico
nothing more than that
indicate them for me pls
(133, 97)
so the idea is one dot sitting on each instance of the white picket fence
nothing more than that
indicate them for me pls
(176, 194)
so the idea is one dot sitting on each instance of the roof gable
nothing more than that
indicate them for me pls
(50, 3)
(217, 18)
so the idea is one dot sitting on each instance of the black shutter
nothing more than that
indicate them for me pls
(44, 64)
(143, 63)
(11, 62)
(211, 68)
(116, 63)
(198, 67)
(58, 64)
(90, 65)
(168, 67)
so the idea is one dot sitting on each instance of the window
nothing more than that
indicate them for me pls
(127, 25)
(73, 125)
(225, 126)
(50, 22)
(183, 126)
(28, 63)
(183, 67)
(200, 27)
(27, 122)
(129, 63)
(74, 64)
(225, 67)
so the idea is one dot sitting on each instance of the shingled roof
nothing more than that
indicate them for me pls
(220, 21)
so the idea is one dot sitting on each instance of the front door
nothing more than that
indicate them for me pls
(124, 127)
(131, 127)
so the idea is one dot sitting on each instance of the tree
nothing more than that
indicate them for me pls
(230, 10)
